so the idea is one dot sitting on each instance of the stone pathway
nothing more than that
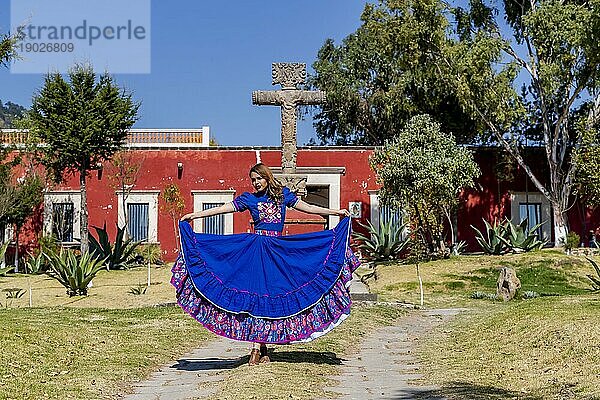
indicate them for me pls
(187, 378)
(382, 370)
(386, 363)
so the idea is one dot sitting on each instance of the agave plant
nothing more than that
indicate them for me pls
(5, 270)
(117, 255)
(520, 239)
(14, 293)
(458, 248)
(595, 280)
(382, 244)
(493, 242)
(138, 290)
(73, 271)
(36, 263)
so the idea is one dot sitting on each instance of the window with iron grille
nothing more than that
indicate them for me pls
(214, 224)
(138, 221)
(62, 221)
(387, 214)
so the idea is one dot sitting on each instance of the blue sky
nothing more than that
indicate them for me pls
(208, 57)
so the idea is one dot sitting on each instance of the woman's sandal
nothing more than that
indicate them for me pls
(264, 355)
(254, 357)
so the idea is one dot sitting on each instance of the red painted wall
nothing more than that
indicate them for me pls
(227, 169)
(219, 169)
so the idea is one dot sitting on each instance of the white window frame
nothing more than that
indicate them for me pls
(323, 176)
(375, 212)
(9, 234)
(332, 181)
(142, 196)
(517, 198)
(66, 196)
(374, 207)
(213, 196)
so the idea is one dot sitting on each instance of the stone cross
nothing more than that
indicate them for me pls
(289, 76)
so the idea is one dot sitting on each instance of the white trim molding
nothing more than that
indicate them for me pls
(142, 196)
(323, 176)
(213, 196)
(332, 181)
(374, 207)
(63, 196)
(517, 198)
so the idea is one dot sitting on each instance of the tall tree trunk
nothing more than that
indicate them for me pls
(17, 248)
(560, 205)
(560, 226)
(176, 228)
(125, 215)
(83, 214)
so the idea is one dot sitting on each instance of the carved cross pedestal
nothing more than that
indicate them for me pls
(289, 76)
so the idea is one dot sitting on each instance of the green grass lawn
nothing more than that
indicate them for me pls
(547, 347)
(111, 289)
(543, 348)
(451, 282)
(95, 346)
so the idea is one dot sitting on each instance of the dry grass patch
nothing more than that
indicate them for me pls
(111, 289)
(301, 371)
(77, 353)
(545, 348)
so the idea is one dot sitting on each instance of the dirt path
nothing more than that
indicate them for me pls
(382, 369)
(187, 377)
(386, 363)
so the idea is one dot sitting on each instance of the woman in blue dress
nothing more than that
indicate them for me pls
(263, 287)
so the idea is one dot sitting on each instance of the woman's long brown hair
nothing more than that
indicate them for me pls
(274, 188)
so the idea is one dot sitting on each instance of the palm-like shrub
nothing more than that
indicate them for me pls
(74, 271)
(381, 244)
(117, 255)
(520, 239)
(148, 253)
(494, 241)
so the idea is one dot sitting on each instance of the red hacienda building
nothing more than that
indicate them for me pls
(338, 177)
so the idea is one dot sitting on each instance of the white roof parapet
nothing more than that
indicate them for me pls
(146, 138)
(178, 138)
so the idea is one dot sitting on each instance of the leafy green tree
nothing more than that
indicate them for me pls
(383, 74)
(423, 171)
(535, 82)
(8, 47)
(81, 123)
(10, 112)
(526, 73)
(26, 194)
(174, 204)
(587, 178)
(123, 174)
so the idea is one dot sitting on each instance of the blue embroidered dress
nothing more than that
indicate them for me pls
(264, 287)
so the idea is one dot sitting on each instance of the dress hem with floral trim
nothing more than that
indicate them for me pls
(307, 322)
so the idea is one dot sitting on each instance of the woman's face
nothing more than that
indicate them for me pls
(258, 182)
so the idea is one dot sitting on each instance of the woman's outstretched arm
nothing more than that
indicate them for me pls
(312, 209)
(222, 209)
